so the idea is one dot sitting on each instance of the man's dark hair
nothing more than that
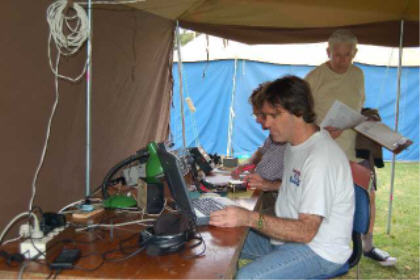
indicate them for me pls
(293, 94)
(256, 98)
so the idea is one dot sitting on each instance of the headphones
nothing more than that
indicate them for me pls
(168, 235)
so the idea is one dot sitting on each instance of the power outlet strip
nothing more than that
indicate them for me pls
(42, 248)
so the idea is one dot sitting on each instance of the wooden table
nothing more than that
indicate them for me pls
(223, 246)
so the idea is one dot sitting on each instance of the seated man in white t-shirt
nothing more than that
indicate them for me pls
(311, 231)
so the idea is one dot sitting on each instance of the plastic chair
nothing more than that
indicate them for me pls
(362, 180)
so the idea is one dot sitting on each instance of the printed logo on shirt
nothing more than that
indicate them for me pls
(295, 178)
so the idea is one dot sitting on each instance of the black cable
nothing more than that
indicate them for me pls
(58, 271)
(200, 242)
(12, 259)
(49, 275)
(110, 183)
(136, 252)
(96, 239)
(122, 249)
(94, 268)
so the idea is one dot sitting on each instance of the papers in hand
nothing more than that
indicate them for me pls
(342, 116)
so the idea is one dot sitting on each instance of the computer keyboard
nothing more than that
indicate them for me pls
(206, 205)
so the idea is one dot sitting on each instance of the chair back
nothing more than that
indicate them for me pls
(361, 221)
(362, 180)
(361, 175)
(362, 210)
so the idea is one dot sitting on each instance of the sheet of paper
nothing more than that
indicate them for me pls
(221, 179)
(342, 116)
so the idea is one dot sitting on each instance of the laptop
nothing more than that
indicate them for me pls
(199, 209)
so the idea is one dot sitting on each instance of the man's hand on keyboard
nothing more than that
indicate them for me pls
(230, 216)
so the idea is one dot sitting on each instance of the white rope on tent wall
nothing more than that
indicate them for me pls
(192, 111)
(69, 44)
(66, 44)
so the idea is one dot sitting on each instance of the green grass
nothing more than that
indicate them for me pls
(403, 241)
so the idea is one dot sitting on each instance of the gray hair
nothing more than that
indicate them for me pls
(342, 36)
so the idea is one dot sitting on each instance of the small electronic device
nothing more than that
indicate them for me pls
(202, 159)
(133, 173)
(230, 162)
(150, 197)
(66, 259)
(179, 190)
(51, 220)
(238, 186)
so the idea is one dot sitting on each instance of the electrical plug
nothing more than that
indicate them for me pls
(24, 230)
(35, 231)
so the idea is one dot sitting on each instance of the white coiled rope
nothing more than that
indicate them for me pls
(67, 41)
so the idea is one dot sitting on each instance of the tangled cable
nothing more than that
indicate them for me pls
(68, 42)
(69, 33)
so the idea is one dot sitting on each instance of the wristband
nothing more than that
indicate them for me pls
(260, 222)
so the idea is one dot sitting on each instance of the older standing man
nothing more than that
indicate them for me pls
(339, 79)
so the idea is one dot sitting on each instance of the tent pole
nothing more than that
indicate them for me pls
(181, 95)
(229, 150)
(88, 101)
(397, 112)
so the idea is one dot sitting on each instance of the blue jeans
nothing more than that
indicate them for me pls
(287, 261)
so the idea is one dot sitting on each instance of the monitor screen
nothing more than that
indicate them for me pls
(175, 180)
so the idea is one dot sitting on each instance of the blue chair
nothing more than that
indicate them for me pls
(362, 180)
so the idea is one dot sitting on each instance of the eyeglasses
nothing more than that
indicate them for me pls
(263, 116)
(257, 115)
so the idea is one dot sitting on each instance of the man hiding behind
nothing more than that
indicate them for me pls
(311, 230)
(267, 161)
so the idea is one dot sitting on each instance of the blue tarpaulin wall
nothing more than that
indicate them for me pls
(210, 86)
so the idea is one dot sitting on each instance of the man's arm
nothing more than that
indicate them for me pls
(254, 159)
(256, 181)
(300, 230)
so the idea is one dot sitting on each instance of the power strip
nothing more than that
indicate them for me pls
(46, 246)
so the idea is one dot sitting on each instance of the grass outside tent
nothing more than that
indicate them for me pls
(403, 242)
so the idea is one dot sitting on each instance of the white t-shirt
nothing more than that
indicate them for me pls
(317, 180)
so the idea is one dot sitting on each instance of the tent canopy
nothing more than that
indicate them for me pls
(204, 48)
(299, 21)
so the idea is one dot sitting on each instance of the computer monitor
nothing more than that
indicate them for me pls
(175, 180)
